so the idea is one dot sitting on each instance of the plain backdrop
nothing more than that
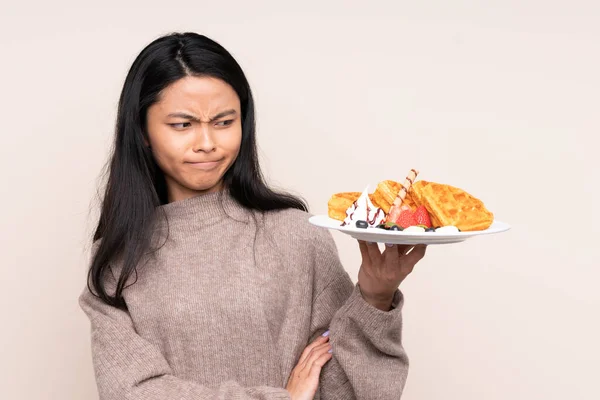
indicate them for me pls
(500, 98)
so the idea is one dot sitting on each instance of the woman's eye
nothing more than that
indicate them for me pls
(225, 123)
(181, 125)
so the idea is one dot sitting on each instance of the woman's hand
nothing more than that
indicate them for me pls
(380, 273)
(304, 379)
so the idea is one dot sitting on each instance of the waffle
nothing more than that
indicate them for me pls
(449, 205)
(340, 202)
(385, 194)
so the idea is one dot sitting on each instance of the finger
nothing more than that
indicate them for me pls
(415, 255)
(315, 350)
(391, 253)
(374, 253)
(404, 248)
(364, 252)
(315, 354)
(317, 342)
(318, 365)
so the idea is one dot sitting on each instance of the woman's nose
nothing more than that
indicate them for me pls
(203, 140)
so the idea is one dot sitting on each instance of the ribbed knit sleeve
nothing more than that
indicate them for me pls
(369, 362)
(128, 367)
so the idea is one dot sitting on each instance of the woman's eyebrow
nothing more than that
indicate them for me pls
(223, 114)
(195, 119)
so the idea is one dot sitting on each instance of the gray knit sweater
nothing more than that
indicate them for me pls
(226, 306)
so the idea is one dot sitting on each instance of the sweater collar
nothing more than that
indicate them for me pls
(208, 207)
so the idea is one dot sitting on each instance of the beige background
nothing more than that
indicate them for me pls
(498, 97)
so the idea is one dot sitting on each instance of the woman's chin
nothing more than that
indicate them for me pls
(210, 187)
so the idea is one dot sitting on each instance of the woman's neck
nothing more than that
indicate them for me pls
(206, 207)
(177, 192)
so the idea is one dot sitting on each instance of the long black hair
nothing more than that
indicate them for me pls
(135, 185)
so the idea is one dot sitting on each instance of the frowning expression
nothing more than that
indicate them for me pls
(195, 132)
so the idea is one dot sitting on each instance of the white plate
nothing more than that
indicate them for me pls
(399, 237)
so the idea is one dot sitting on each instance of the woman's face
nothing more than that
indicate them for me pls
(194, 132)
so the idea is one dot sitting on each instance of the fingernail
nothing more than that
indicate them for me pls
(389, 244)
(330, 351)
(326, 333)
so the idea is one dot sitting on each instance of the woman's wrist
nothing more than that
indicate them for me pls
(382, 302)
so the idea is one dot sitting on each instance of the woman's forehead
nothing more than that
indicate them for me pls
(204, 95)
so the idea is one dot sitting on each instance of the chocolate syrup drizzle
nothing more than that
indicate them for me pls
(370, 221)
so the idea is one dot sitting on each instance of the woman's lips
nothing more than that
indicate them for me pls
(204, 165)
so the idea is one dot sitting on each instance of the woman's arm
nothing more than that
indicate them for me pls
(128, 367)
(368, 361)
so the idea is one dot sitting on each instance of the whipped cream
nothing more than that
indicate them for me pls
(414, 228)
(363, 209)
(447, 229)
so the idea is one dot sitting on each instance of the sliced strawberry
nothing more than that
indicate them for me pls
(406, 219)
(422, 217)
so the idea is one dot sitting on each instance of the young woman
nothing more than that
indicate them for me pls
(206, 284)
